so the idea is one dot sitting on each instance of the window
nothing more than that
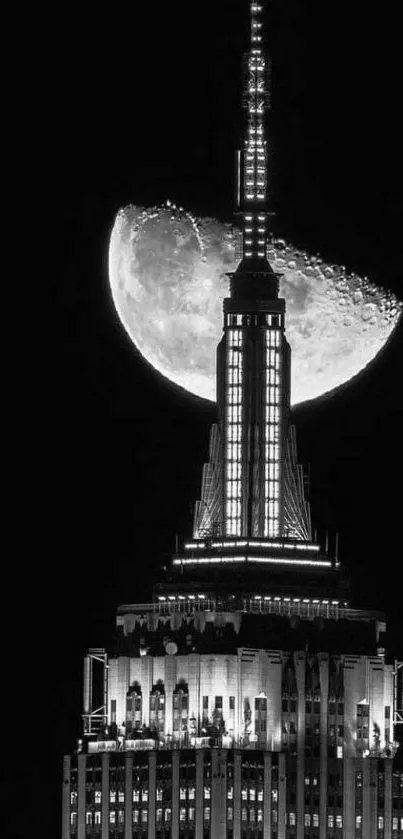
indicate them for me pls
(113, 710)
(315, 819)
(191, 814)
(218, 702)
(380, 822)
(144, 816)
(339, 751)
(182, 814)
(230, 792)
(330, 821)
(230, 814)
(244, 814)
(260, 815)
(112, 796)
(274, 816)
(73, 819)
(158, 814)
(307, 780)
(207, 792)
(135, 816)
(395, 823)
(207, 814)
(307, 819)
(97, 819)
(121, 797)
(232, 703)
(260, 795)
(97, 796)
(168, 814)
(121, 817)
(73, 798)
(191, 793)
(136, 795)
(252, 794)
(112, 817)
(339, 821)
(293, 705)
(144, 795)
(291, 819)
(358, 822)
(244, 794)
(182, 794)
(252, 815)
(274, 794)
(159, 794)
(205, 703)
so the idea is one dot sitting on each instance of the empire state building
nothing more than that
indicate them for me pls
(248, 699)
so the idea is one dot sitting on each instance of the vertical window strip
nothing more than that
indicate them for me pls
(233, 453)
(272, 407)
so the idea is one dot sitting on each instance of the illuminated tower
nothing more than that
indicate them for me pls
(247, 699)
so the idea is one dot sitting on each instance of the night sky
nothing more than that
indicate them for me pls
(147, 107)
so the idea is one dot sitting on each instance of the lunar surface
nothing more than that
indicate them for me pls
(167, 272)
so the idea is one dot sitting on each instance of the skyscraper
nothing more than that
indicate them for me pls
(249, 698)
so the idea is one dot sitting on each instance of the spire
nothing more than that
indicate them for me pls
(252, 187)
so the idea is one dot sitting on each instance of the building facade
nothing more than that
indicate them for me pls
(248, 698)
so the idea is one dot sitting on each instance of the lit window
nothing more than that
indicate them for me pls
(73, 798)
(380, 822)
(244, 794)
(159, 794)
(112, 817)
(339, 821)
(97, 796)
(144, 795)
(168, 814)
(358, 822)
(191, 814)
(136, 795)
(112, 796)
(252, 794)
(274, 816)
(292, 819)
(307, 819)
(315, 819)
(230, 814)
(191, 793)
(252, 814)
(121, 816)
(182, 793)
(207, 814)
(182, 814)
(121, 796)
(230, 792)
(330, 821)
(244, 814)
(135, 816)
(144, 815)
(274, 794)
(339, 751)
(395, 823)
(207, 792)
(158, 814)
(260, 815)
(260, 795)
(97, 817)
(73, 819)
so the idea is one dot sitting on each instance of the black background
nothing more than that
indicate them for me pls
(144, 104)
